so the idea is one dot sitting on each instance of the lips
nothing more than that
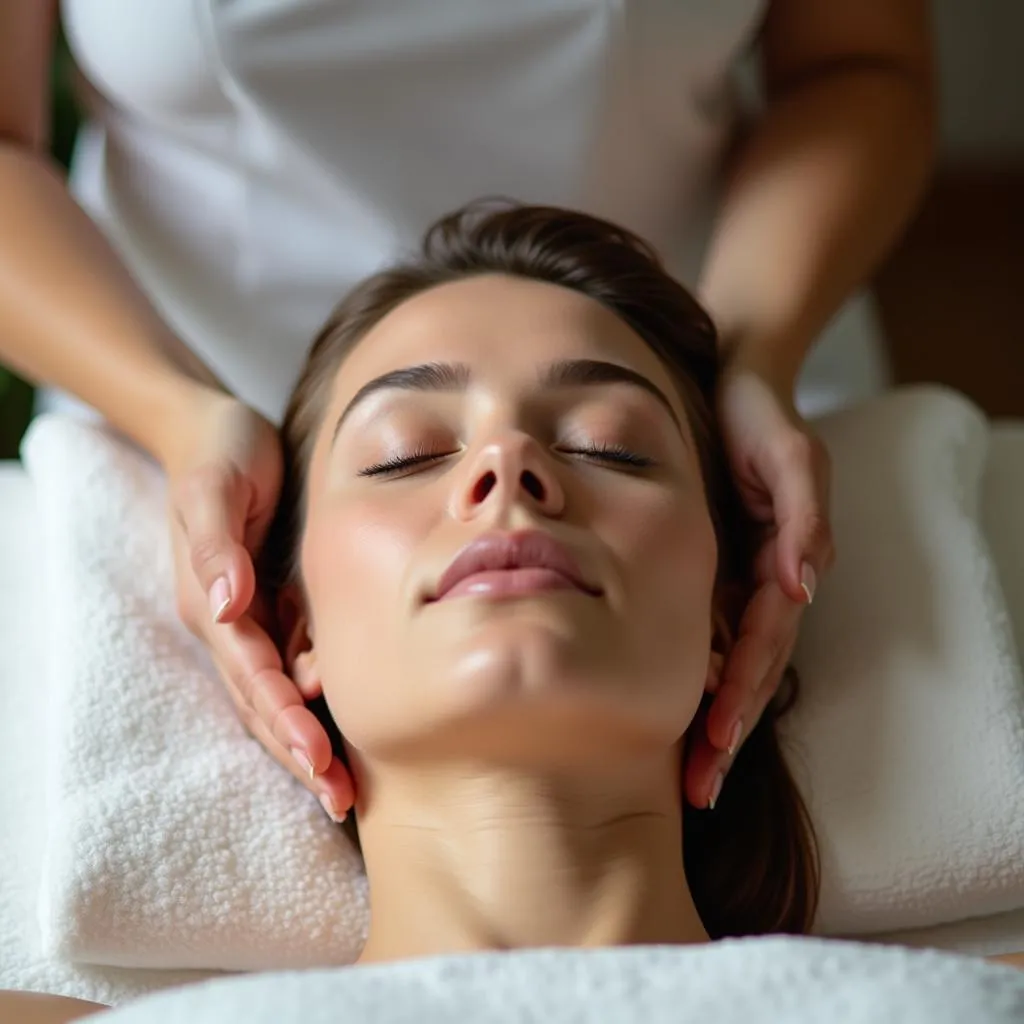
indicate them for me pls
(515, 554)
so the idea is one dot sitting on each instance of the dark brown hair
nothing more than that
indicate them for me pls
(752, 863)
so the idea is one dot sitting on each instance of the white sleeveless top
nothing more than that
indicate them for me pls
(252, 159)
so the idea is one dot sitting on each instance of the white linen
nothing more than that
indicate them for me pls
(1002, 516)
(172, 839)
(115, 876)
(24, 754)
(921, 821)
(784, 980)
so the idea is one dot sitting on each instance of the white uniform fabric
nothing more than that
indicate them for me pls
(252, 160)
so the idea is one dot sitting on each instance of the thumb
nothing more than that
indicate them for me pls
(212, 511)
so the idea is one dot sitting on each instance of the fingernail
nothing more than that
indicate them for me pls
(734, 736)
(304, 762)
(220, 597)
(328, 805)
(808, 581)
(716, 789)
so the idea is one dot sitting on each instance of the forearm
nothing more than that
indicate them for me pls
(72, 317)
(817, 194)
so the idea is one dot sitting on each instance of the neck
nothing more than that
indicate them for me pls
(466, 858)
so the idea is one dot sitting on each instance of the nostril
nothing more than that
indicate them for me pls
(532, 485)
(484, 486)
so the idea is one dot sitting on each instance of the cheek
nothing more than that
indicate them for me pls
(667, 552)
(667, 547)
(357, 559)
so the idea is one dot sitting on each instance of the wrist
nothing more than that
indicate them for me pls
(179, 402)
(776, 361)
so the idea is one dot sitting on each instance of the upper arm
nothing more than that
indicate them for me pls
(802, 38)
(27, 29)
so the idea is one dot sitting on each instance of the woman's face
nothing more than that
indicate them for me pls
(527, 420)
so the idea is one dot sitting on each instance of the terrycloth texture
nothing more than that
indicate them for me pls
(789, 981)
(909, 738)
(1002, 516)
(173, 839)
(255, 862)
(24, 750)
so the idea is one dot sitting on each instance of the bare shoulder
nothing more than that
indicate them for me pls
(35, 1008)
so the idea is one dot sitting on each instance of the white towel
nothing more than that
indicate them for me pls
(175, 841)
(24, 750)
(788, 981)
(909, 737)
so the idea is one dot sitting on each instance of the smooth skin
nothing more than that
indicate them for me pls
(819, 190)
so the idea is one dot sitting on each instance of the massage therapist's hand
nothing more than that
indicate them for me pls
(224, 477)
(782, 470)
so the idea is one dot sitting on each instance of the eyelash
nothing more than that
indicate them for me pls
(613, 453)
(395, 463)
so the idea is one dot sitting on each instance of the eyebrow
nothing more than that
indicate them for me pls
(455, 377)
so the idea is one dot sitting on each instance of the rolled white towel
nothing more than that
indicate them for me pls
(909, 737)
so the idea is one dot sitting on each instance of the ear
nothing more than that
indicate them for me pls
(299, 651)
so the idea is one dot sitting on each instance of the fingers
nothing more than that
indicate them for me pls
(211, 511)
(332, 787)
(707, 767)
(800, 483)
(336, 791)
(273, 711)
(766, 638)
(702, 764)
(251, 665)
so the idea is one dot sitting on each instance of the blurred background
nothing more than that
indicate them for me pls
(952, 293)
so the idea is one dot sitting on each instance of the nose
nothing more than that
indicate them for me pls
(509, 470)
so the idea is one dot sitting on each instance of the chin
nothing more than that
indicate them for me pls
(519, 656)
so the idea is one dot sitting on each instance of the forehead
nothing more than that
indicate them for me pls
(502, 327)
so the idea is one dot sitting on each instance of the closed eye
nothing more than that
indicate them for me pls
(615, 454)
(394, 464)
(612, 453)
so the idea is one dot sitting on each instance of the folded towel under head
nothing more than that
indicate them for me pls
(175, 841)
(911, 725)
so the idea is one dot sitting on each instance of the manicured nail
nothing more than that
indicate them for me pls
(220, 597)
(304, 763)
(808, 581)
(328, 805)
(716, 789)
(734, 736)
